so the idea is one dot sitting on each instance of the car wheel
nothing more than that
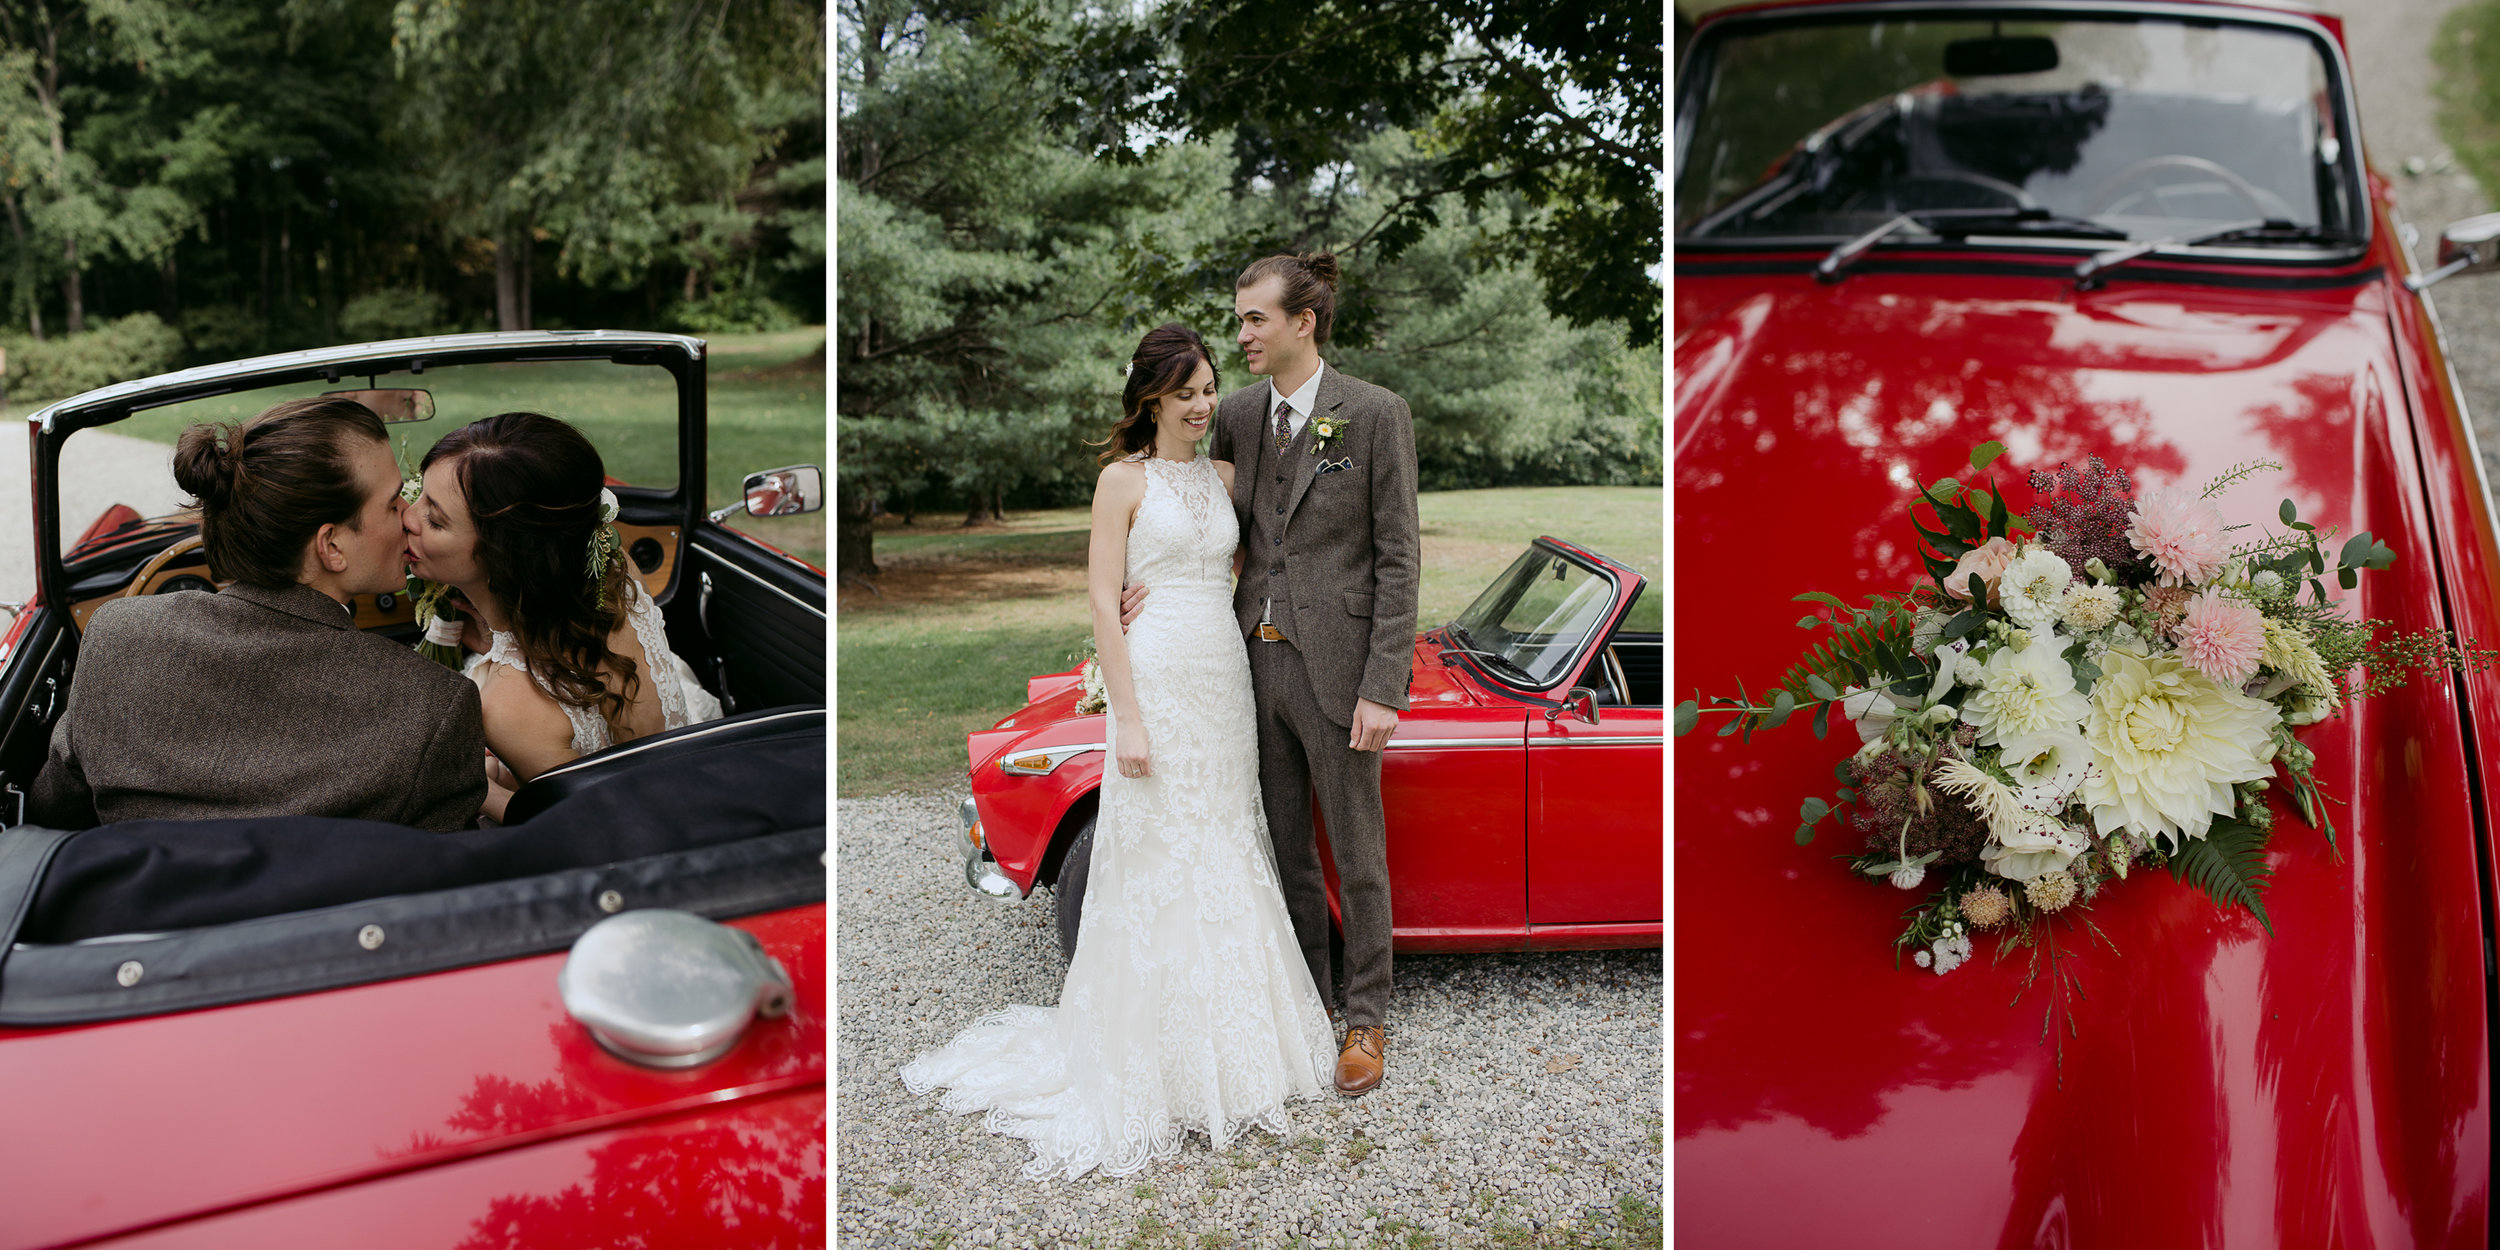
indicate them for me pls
(1070, 892)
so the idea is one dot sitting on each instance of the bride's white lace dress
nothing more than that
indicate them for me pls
(1188, 1005)
(683, 700)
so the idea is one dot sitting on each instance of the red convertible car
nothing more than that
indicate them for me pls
(1521, 787)
(2143, 231)
(600, 1024)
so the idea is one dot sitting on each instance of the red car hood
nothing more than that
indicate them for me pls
(2322, 1086)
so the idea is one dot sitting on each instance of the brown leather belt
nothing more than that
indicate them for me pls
(1268, 633)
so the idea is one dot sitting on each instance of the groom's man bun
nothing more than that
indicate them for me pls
(265, 486)
(1310, 284)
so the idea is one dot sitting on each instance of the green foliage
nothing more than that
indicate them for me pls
(132, 347)
(1551, 110)
(739, 310)
(2228, 863)
(2467, 52)
(392, 313)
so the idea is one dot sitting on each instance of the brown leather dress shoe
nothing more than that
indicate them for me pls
(1360, 1062)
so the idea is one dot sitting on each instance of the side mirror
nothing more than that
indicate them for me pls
(1579, 700)
(2468, 246)
(791, 491)
(396, 406)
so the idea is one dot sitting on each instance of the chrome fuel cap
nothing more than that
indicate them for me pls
(670, 989)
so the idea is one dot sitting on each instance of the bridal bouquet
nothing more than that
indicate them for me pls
(2104, 683)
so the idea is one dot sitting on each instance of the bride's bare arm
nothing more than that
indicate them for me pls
(1116, 496)
(524, 728)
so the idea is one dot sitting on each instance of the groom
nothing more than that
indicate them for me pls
(1324, 485)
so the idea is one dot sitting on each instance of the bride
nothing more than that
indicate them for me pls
(515, 516)
(1188, 1005)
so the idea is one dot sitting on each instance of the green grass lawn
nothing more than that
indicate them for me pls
(767, 409)
(970, 614)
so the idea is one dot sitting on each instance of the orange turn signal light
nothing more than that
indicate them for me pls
(1038, 763)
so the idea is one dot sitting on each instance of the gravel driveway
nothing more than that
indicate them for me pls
(1523, 1103)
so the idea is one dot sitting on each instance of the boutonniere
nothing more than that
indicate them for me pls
(1325, 431)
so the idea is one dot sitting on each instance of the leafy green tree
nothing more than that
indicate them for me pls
(975, 306)
(1556, 104)
(616, 126)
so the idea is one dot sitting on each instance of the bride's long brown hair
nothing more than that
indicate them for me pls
(532, 484)
(1164, 360)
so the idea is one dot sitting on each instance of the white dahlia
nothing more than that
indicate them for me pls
(2167, 746)
(2025, 692)
(2033, 588)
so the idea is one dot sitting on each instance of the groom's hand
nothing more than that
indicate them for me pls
(1132, 602)
(1373, 724)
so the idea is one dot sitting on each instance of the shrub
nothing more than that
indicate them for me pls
(393, 313)
(220, 332)
(135, 346)
(731, 312)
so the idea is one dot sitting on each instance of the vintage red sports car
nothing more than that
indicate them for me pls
(2144, 231)
(1521, 786)
(308, 1031)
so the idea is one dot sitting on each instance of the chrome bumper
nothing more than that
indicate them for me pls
(980, 869)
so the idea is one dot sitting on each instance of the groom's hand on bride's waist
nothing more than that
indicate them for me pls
(1373, 723)
(1132, 602)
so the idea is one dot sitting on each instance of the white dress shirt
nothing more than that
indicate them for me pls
(1301, 401)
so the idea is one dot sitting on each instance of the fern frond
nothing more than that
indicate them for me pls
(1868, 654)
(2229, 864)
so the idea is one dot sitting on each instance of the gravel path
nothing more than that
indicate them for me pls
(2389, 42)
(1522, 1107)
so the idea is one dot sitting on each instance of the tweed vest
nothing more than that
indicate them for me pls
(1271, 500)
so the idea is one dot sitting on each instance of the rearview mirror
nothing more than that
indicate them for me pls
(396, 406)
(2003, 54)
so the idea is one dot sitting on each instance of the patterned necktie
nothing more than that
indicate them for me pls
(1284, 428)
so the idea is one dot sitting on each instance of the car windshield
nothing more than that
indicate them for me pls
(2099, 128)
(629, 412)
(1535, 617)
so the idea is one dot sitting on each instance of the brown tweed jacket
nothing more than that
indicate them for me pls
(256, 702)
(1349, 556)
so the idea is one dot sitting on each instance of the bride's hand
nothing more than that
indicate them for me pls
(1134, 757)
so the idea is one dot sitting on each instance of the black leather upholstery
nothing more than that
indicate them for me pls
(567, 780)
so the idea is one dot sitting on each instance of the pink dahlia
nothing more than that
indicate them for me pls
(2222, 638)
(2181, 534)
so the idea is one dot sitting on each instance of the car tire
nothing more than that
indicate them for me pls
(1069, 894)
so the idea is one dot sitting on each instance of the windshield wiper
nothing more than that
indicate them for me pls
(1958, 223)
(1494, 656)
(2261, 230)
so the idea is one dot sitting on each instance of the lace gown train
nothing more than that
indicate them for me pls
(1188, 1005)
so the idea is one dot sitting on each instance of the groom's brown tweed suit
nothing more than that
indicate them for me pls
(254, 702)
(1336, 554)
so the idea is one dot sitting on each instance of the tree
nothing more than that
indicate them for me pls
(975, 320)
(612, 124)
(1557, 104)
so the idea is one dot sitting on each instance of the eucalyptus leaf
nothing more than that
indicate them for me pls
(2289, 513)
(1822, 720)
(1813, 809)
(1848, 795)
(1805, 834)
(1962, 623)
(1820, 688)
(2356, 550)
(1782, 704)
(2086, 672)
(1809, 621)
(2347, 577)
(1687, 715)
(1730, 726)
